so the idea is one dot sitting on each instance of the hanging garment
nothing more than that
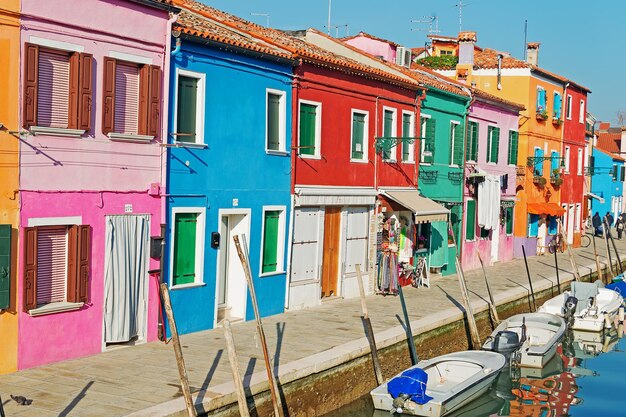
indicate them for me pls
(489, 202)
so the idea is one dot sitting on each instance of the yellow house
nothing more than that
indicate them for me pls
(9, 124)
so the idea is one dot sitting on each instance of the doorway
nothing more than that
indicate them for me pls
(330, 260)
(125, 279)
(231, 280)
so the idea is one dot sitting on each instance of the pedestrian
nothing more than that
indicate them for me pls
(608, 218)
(596, 222)
(619, 226)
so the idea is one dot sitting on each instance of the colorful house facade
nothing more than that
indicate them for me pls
(9, 172)
(228, 170)
(90, 161)
(608, 174)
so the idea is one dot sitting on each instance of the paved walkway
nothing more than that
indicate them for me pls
(144, 380)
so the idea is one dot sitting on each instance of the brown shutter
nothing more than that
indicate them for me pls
(155, 101)
(108, 96)
(31, 77)
(144, 98)
(30, 268)
(85, 92)
(72, 118)
(84, 262)
(72, 264)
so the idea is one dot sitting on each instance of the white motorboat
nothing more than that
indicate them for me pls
(530, 338)
(587, 306)
(450, 381)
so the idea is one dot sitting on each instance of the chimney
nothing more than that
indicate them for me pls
(604, 127)
(467, 40)
(532, 53)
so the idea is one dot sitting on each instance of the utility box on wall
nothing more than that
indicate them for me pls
(155, 247)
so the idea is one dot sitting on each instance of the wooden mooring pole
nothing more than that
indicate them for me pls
(569, 252)
(530, 282)
(556, 267)
(492, 304)
(606, 245)
(368, 328)
(234, 366)
(597, 258)
(1, 408)
(619, 261)
(245, 262)
(182, 371)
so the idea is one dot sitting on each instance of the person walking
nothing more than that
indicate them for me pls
(608, 217)
(596, 222)
(619, 226)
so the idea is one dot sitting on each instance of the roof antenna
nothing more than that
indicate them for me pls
(328, 26)
(460, 5)
(525, 39)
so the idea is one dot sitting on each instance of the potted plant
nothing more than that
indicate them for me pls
(540, 181)
(557, 121)
(421, 242)
(542, 114)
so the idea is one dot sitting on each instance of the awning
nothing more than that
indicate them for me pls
(425, 209)
(546, 208)
(597, 197)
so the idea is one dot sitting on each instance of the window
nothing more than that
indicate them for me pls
(623, 172)
(130, 99)
(275, 121)
(5, 266)
(557, 105)
(538, 162)
(566, 160)
(471, 147)
(273, 240)
(310, 129)
(615, 172)
(408, 133)
(189, 116)
(389, 131)
(533, 225)
(427, 154)
(456, 144)
(484, 233)
(493, 144)
(513, 147)
(470, 224)
(541, 100)
(508, 213)
(554, 163)
(568, 108)
(56, 266)
(579, 163)
(187, 251)
(581, 112)
(444, 52)
(359, 136)
(57, 90)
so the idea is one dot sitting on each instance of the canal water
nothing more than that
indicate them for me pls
(587, 378)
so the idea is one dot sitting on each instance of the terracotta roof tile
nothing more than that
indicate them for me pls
(609, 142)
(490, 97)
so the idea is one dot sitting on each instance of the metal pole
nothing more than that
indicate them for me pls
(556, 266)
(619, 261)
(1, 408)
(409, 333)
(532, 292)
(368, 327)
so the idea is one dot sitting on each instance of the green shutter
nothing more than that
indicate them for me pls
(184, 248)
(623, 173)
(186, 109)
(456, 220)
(509, 220)
(429, 139)
(470, 226)
(5, 266)
(270, 241)
(494, 144)
(406, 133)
(358, 131)
(456, 138)
(614, 172)
(513, 146)
(273, 122)
(387, 131)
(308, 115)
(471, 147)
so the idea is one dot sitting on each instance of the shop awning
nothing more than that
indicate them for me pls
(546, 208)
(425, 209)
(597, 197)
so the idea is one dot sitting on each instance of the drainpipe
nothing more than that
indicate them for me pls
(177, 49)
(563, 153)
(467, 110)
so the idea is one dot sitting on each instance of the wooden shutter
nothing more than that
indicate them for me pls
(30, 268)
(429, 144)
(513, 145)
(185, 230)
(554, 162)
(273, 122)
(308, 116)
(83, 262)
(623, 174)
(539, 162)
(470, 225)
(406, 133)
(131, 93)
(143, 109)
(5, 266)
(108, 96)
(457, 150)
(557, 105)
(614, 172)
(358, 132)
(387, 131)
(495, 144)
(154, 101)
(31, 79)
(509, 220)
(72, 264)
(72, 118)
(53, 96)
(85, 92)
(270, 241)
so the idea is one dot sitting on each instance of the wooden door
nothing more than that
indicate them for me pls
(330, 262)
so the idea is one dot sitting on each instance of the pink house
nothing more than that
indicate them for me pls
(90, 180)
(388, 51)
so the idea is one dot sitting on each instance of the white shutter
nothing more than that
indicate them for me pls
(400, 55)
(54, 89)
(305, 244)
(51, 264)
(356, 238)
(407, 58)
(126, 98)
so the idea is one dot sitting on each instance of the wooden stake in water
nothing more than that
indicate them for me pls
(597, 258)
(530, 282)
(569, 252)
(245, 262)
(368, 327)
(556, 267)
(234, 366)
(182, 371)
(492, 304)
(619, 261)
(606, 244)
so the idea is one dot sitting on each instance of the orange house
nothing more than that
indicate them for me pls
(9, 139)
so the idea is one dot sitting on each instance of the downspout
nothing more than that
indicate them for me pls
(417, 148)
(463, 217)
(375, 136)
(560, 202)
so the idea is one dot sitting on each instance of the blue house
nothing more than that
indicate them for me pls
(228, 171)
(607, 182)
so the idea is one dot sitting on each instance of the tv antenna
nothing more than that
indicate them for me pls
(336, 27)
(460, 5)
(267, 17)
(432, 22)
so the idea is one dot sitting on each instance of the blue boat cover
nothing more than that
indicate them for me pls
(411, 382)
(619, 286)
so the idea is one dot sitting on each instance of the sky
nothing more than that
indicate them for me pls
(578, 39)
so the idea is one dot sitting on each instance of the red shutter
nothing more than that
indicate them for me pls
(53, 93)
(31, 76)
(52, 243)
(144, 99)
(127, 93)
(30, 268)
(72, 264)
(72, 120)
(85, 92)
(155, 101)
(84, 262)
(108, 96)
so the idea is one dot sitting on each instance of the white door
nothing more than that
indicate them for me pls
(571, 220)
(541, 234)
(232, 288)
(304, 253)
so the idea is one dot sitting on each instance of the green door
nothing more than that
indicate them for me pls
(5, 266)
(186, 111)
(185, 248)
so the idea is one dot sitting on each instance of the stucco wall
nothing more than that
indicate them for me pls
(374, 47)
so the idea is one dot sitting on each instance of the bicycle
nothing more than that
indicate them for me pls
(557, 243)
(585, 241)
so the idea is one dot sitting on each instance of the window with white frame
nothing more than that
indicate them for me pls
(427, 150)
(275, 121)
(187, 253)
(408, 135)
(567, 156)
(389, 131)
(581, 112)
(493, 144)
(579, 162)
(273, 243)
(360, 127)
(310, 125)
(189, 110)
(568, 107)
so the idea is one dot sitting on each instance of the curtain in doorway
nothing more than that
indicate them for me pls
(126, 259)
(439, 244)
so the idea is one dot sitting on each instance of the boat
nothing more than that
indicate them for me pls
(436, 387)
(587, 306)
(529, 339)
